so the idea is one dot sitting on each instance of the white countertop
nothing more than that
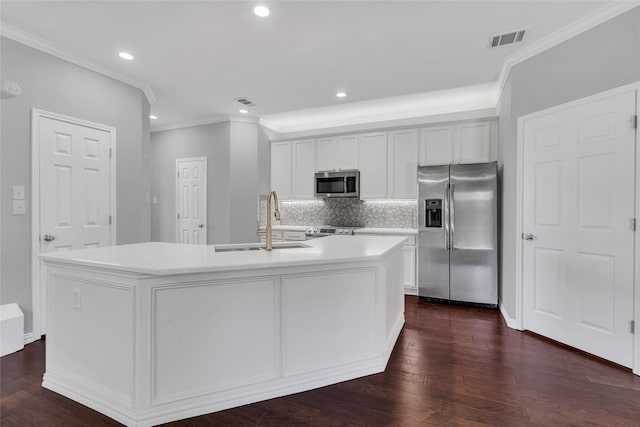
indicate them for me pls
(290, 227)
(158, 258)
(399, 231)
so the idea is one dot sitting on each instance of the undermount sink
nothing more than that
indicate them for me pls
(236, 249)
(258, 247)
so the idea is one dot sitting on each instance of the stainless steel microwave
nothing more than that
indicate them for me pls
(332, 184)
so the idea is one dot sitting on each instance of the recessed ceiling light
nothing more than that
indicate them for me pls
(125, 55)
(152, 117)
(243, 111)
(261, 11)
(341, 94)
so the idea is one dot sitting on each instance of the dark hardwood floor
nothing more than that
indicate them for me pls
(452, 366)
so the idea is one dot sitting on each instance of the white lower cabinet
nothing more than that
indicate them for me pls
(409, 251)
(409, 266)
(296, 236)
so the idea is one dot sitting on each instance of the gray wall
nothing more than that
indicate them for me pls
(210, 141)
(52, 84)
(237, 172)
(597, 60)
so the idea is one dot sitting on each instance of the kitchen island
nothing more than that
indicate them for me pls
(155, 332)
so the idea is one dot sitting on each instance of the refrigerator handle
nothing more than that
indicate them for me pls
(452, 217)
(446, 217)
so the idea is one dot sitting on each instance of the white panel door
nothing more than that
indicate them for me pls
(281, 169)
(436, 146)
(74, 186)
(75, 193)
(403, 164)
(373, 165)
(191, 200)
(578, 200)
(472, 143)
(303, 169)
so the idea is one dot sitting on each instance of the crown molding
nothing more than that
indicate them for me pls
(190, 124)
(457, 116)
(23, 37)
(210, 121)
(583, 24)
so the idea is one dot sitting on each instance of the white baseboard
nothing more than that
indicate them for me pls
(29, 338)
(510, 321)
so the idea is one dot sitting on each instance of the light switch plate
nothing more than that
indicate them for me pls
(18, 192)
(19, 207)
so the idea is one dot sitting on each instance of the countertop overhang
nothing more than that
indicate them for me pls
(159, 258)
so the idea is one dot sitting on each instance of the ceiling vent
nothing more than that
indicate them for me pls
(507, 38)
(245, 102)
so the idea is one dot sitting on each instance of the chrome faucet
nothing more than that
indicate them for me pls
(268, 230)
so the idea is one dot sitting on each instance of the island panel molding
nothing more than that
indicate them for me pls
(252, 305)
(327, 319)
(97, 366)
(146, 337)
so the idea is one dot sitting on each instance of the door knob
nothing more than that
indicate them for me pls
(201, 225)
(527, 236)
(49, 237)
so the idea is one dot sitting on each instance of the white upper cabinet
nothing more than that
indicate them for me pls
(326, 149)
(281, 169)
(436, 146)
(403, 162)
(471, 142)
(337, 153)
(372, 153)
(303, 169)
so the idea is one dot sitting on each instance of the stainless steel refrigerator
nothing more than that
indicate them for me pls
(458, 233)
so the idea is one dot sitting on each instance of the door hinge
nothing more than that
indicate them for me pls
(632, 326)
(178, 216)
(109, 219)
(632, 224)
(634, 121)
(178, 174)
(110, 153)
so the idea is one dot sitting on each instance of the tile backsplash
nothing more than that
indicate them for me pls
(346, 212)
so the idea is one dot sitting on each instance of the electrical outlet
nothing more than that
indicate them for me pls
(19, 207)
(18, 192)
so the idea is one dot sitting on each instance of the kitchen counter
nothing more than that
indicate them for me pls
(158, 258)
(155, 332)
(399, 231)
(290, 227)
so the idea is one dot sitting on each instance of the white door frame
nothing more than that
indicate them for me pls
(177, 205)
(519, 210)
(38, 298)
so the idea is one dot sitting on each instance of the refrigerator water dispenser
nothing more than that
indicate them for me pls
(433, 212)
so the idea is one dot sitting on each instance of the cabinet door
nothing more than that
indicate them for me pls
(436, 146)
(281, 169)
(403, 162)
(409, 266)
(326, 154)
(372, 153)
(303, 169)
(473, 143)
(347, 152)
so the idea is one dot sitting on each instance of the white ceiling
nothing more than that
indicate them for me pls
(196, 57)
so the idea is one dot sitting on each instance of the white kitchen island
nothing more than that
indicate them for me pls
(154, 332)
